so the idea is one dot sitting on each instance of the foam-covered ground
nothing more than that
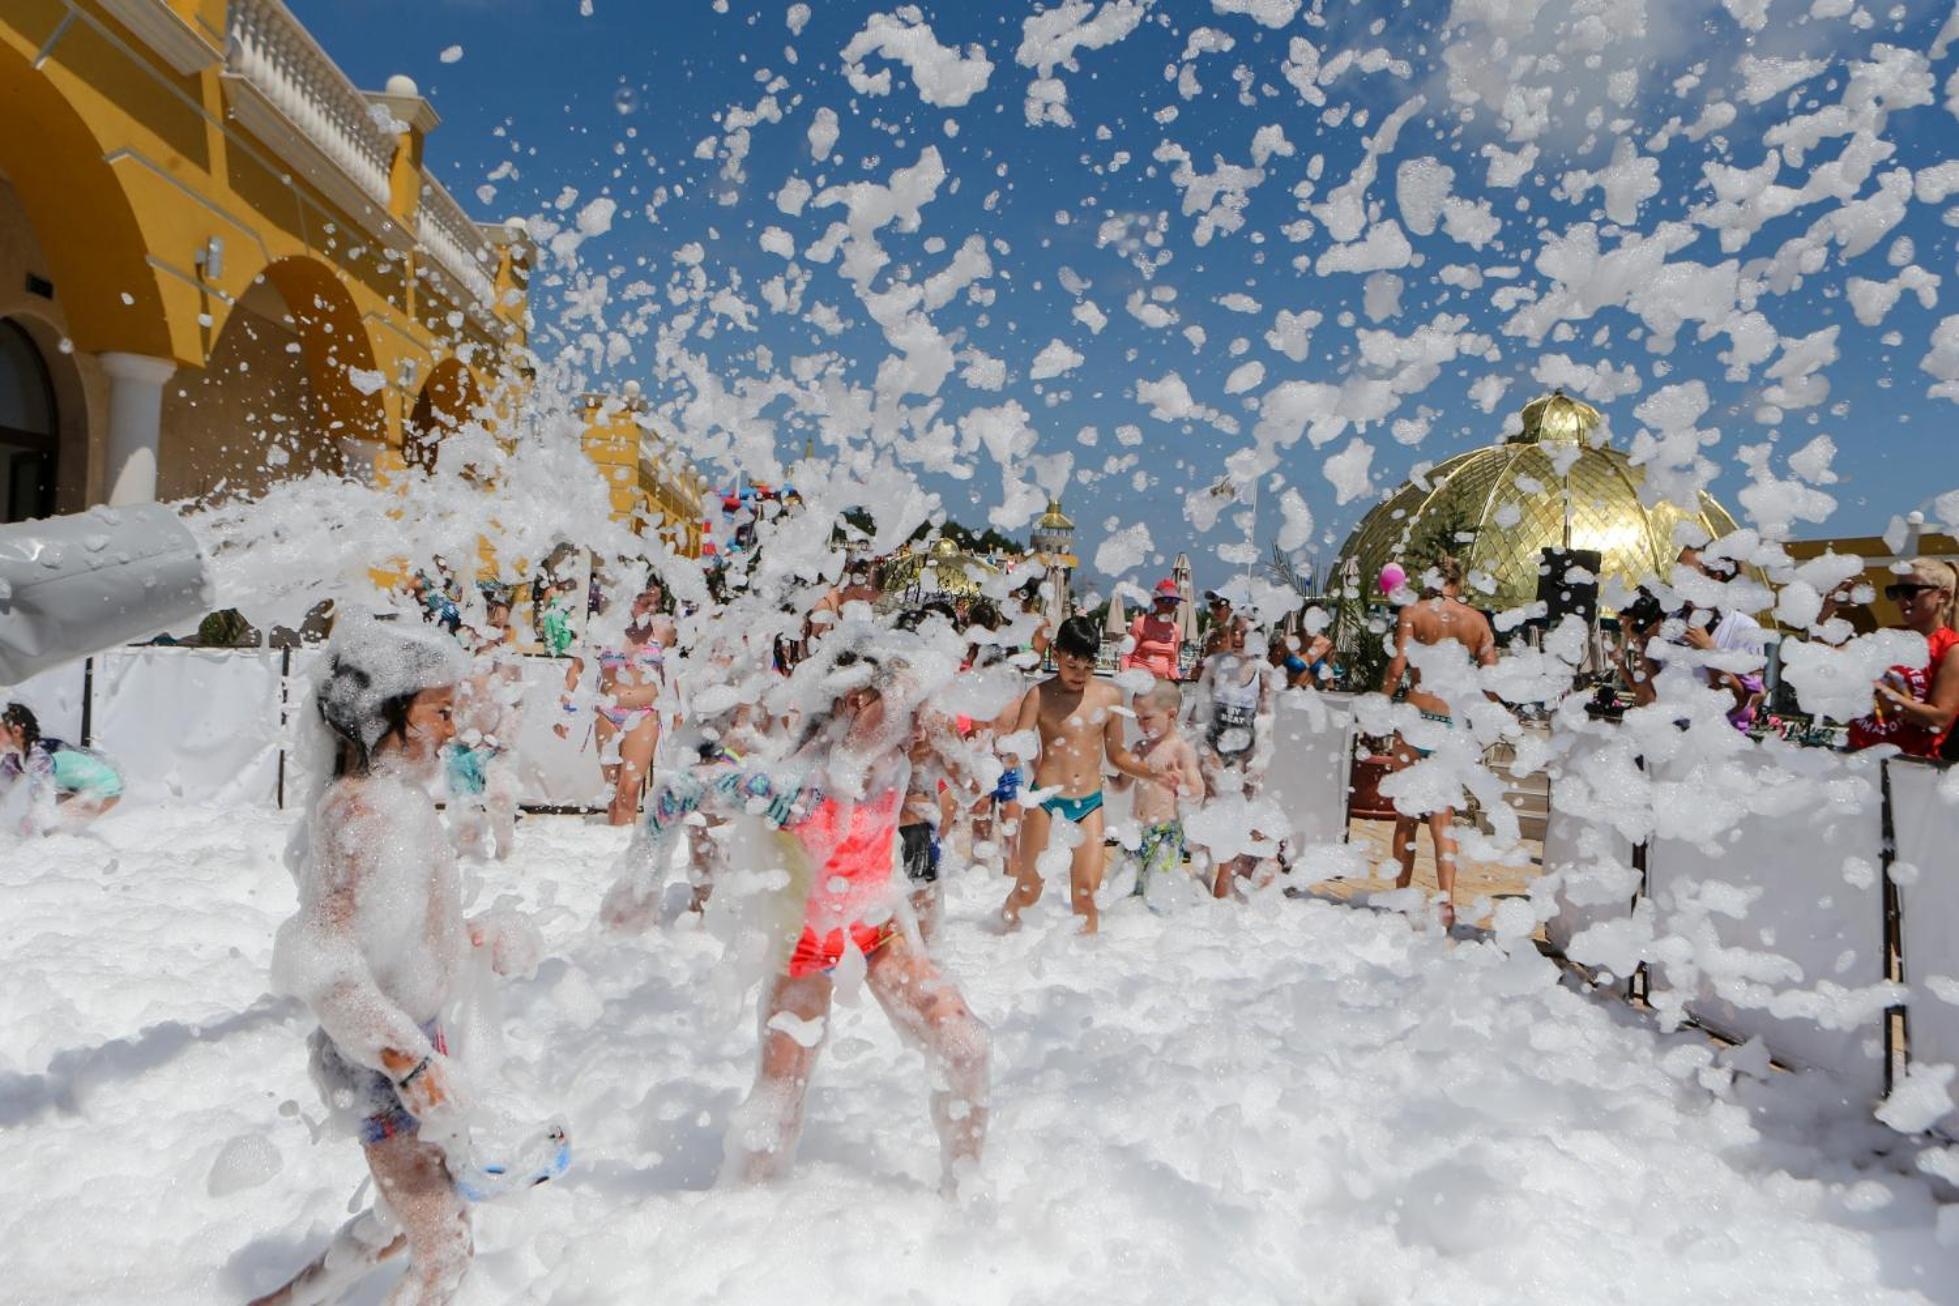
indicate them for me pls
(1291, 1101)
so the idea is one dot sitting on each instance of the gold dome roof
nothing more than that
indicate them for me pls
(942, 570)
(1054, 519)
(1512, 497)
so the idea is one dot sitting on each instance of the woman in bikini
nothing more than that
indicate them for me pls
(1438, 617)
(632, 686)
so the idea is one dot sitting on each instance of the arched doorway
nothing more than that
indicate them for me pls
(289, 383)
(30, 429)
(449, 398)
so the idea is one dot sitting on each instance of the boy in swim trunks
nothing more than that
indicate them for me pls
(925, 824)
(1078, 720)
(833, 804)
(1160, 847)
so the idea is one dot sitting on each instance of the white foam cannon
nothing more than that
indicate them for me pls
(77, 584)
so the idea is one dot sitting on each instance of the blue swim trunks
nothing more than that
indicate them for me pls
(467, 770)
(362, 1098)
(1073, 809)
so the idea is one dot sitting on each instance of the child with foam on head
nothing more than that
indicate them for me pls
(377, 949)
(1165, 751)
(831, 801)
(1077, 720)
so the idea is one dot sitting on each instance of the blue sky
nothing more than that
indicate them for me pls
(557, 94)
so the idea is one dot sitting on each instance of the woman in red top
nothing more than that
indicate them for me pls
(1157, 638)
(1916, 706)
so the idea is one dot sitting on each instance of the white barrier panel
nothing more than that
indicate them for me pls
(1588, 854)
(1312, 759)
(554, 772)
(55, 696)
(1926, 827)
(1782, 911)
(199, 724)
(309, 744)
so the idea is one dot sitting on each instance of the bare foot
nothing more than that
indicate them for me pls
(1448, 915)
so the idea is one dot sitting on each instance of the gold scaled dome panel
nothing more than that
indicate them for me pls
(942, 571)
(1520, 484)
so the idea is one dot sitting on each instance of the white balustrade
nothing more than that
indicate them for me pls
(275, 56)
(449, 234)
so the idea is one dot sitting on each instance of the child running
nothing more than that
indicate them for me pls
(833, 804)
(1234, 709)
(376, 950)
(1079, 722)
(1164, 750)
(65, 785)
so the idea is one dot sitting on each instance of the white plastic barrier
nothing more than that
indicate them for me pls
(1781, 912)
(1589, 839)
(554, 772)
(55, 697)
(309, 744)
(198, 724)
(1925, 823)
(1312, 759)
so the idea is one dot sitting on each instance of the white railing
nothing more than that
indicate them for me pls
(268, 49)
(454, 239)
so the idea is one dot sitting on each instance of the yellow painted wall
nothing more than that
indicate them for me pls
(124, 169)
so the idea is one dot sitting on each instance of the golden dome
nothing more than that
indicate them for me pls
(1556, 418)
(941, 571)
(1517, 498)
(1054, 519)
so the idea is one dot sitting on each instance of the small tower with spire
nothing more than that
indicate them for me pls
(1053, 544)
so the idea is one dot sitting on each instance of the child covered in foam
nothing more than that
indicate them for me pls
(830, 801)
(1158, 805)
(376, 951)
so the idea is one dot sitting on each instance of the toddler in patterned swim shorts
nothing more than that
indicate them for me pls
(1164, 750)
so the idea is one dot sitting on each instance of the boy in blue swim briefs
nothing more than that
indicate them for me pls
(1078, 721)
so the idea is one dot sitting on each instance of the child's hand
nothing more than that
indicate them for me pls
(426, 1087)
(514, 944)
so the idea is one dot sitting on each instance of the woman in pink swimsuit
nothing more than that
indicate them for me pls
(632, 681)
(832, 807)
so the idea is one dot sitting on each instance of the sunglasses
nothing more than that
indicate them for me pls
(1899, 593)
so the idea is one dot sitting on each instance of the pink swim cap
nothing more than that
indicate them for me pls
(1392, 578)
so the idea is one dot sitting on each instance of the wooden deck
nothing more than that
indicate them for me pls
(1474, 879)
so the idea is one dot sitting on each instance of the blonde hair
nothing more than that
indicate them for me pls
(1942, 574)
(1162, 694)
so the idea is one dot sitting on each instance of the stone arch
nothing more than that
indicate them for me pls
(291, 387)
(30, 427)
(95, 243)
(451, 396)
(69, 399)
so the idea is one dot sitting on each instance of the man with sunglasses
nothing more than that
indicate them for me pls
(1914, 706)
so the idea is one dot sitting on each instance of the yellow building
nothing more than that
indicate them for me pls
(221, 263)
(653, 484)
